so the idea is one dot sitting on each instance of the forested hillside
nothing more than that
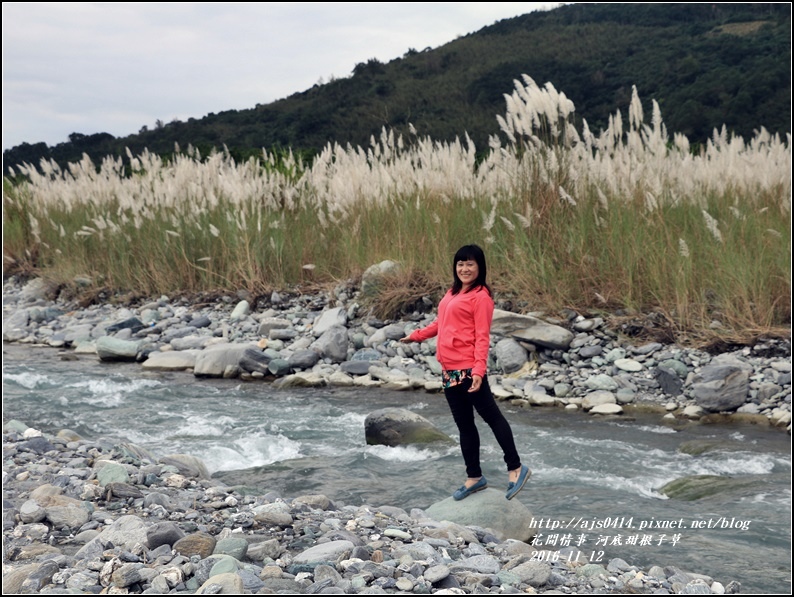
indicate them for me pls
(706, 64)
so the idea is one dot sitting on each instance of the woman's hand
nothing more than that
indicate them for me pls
(405, 340)
(476, 382)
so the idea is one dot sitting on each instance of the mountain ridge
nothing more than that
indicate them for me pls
(705, 64)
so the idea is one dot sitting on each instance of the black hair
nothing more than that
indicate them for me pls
(470, 253)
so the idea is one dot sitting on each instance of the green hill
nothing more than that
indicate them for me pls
(706, 64)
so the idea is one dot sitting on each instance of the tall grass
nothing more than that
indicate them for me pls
(626, 219)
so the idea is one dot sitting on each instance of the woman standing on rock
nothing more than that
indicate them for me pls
(463, 327)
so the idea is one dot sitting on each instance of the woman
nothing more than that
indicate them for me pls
(463, 327)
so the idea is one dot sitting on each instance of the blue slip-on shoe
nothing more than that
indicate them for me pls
(514, 488)
(465, 492)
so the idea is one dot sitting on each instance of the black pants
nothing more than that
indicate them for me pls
(462, 404)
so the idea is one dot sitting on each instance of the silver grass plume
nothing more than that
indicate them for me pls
(711, 224)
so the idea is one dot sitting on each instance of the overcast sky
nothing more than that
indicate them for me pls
(92, 67)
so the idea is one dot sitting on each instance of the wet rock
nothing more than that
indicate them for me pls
(112, 349)
(720, 388)
(508, 519)
(510, 355)
(398, 426)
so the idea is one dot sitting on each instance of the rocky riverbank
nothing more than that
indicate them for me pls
(328, 339)
(91, 517)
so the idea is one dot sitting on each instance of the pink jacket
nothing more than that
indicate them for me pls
(463, 327)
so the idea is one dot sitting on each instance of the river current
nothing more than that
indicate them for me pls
(594, 485)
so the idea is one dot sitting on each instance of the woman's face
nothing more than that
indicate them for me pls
(467, 272)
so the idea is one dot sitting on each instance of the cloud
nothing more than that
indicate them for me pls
(114, 67)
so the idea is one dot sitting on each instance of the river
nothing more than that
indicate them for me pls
(595, 480)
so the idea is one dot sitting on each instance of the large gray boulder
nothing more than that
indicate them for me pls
(15, 328)
(510, 355)
(113, 349)
(531, 329)
(721, 387)
(696, 487)
(188, 465)
(255, 360)
(303, 359)
(332, 344)
(173, 360)
(508, 519)
(219, 359)
(398, 426)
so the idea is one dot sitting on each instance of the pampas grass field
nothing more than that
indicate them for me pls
(629, 220)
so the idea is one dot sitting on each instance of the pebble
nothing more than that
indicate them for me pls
(182, 538)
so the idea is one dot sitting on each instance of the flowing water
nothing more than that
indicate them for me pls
(596, 480)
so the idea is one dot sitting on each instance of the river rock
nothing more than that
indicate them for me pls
(332, 344)
(222, 584)
(669, 380)
(607, 409)
(39, 445)
(14, 579)
(303, 359)
(214, 360)
(720, 388)
(236, 547)
(200, 544)
(510, 355)
(37, 579)
(15, 328)
(112, 349)
(508, 519)
(132, 323)
(163, 533)
(535, 574)
(336, 317)
(482, 564)
(531, 329)
(126, 532)
(171, 361)
(699, 486)
(110, 472)
(254, 360)
(279, 367)
(601, 382)
(268, 324)
(31, 512)
(324, 552)
(276, 514)
(355, 367)
(200, 321)
(588, 352)
(629, 365)
(398, 426)
(597, 398)
(177, 333)
(190, 343)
